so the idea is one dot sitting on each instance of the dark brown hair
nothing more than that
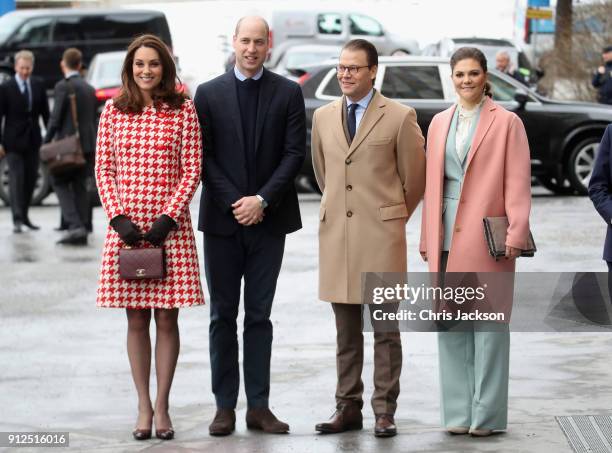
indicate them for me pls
(130, 98)
(367, 47)
(72, 58)
(464, 53)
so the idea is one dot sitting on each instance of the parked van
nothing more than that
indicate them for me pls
(289, 28)
(48, 32)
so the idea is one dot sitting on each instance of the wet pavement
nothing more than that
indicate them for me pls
(63, 364)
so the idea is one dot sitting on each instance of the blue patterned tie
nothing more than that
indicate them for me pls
(26, 93)
(352, 120)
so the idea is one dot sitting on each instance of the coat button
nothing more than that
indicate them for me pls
(457, 229)
(349, 214)
(349, 187)
(348, 161)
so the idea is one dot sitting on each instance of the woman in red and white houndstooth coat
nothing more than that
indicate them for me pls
(148, 163)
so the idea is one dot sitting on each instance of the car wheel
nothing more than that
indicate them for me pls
(314, 186)
(4, 180)
(581, 163)
(551, 183)
(43, 185)
(41, 190)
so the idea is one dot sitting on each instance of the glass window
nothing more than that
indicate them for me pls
(364, 25)
(502, 90)
(330, 24)
(67, 29)
(333, 87)
(121, 26)
(412, 82)
(35, 31)
(8, 24)
(97, 28)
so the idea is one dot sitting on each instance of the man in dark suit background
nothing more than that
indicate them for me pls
(71, 188)
(254, 133)
(23, 101)
(600, 186)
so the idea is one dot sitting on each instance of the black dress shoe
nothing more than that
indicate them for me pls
(77, 236)
(224, 422)
(263, 419)
(31, 226)
(347, 417)
(385, 426)
(17, 227)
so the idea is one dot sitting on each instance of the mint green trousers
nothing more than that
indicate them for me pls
(474, 367)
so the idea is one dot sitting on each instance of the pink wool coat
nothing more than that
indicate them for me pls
(148, 164)
(497, 183)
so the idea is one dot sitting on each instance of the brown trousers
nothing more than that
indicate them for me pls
(349, 361)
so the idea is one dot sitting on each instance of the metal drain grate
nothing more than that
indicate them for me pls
(588, 433)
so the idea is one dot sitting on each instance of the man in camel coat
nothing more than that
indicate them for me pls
(369, 162)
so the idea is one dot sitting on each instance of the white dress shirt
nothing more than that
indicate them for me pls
(362, 105)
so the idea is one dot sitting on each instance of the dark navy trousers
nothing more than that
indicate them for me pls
(255, 255)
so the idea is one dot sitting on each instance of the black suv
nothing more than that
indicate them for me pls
(48, 32)
(563, 136)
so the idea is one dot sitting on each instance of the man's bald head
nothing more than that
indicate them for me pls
(252, 21)
(251, 44)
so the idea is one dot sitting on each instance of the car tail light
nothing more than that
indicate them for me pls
(302, 80)
(107, 93)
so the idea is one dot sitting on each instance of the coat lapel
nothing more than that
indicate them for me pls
(372, 115)
(439, 151)
(266, 92)
(17, 90)
(232, 101)
(337, 123)
(487, 116)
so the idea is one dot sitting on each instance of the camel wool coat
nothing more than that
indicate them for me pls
(370, 188)
(497, 183)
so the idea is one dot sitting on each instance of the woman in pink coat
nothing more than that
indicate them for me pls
(478, 166)
(148, 161)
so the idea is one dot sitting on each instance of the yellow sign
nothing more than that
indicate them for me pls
(535, 13)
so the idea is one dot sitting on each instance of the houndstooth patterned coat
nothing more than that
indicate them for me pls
(149, 164)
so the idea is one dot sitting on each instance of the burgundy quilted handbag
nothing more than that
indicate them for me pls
(142, 263)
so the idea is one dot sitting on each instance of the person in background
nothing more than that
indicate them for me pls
(602, 79)
(23, 103)
(600, 187)
(478, 166)
(148, 164)
(254, 126)
(503, 64)
(70, 188)
(369, 160)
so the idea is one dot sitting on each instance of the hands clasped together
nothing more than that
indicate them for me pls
(248, 211)
(130, 233)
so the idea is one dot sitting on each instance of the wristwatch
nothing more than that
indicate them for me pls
(264, 203)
